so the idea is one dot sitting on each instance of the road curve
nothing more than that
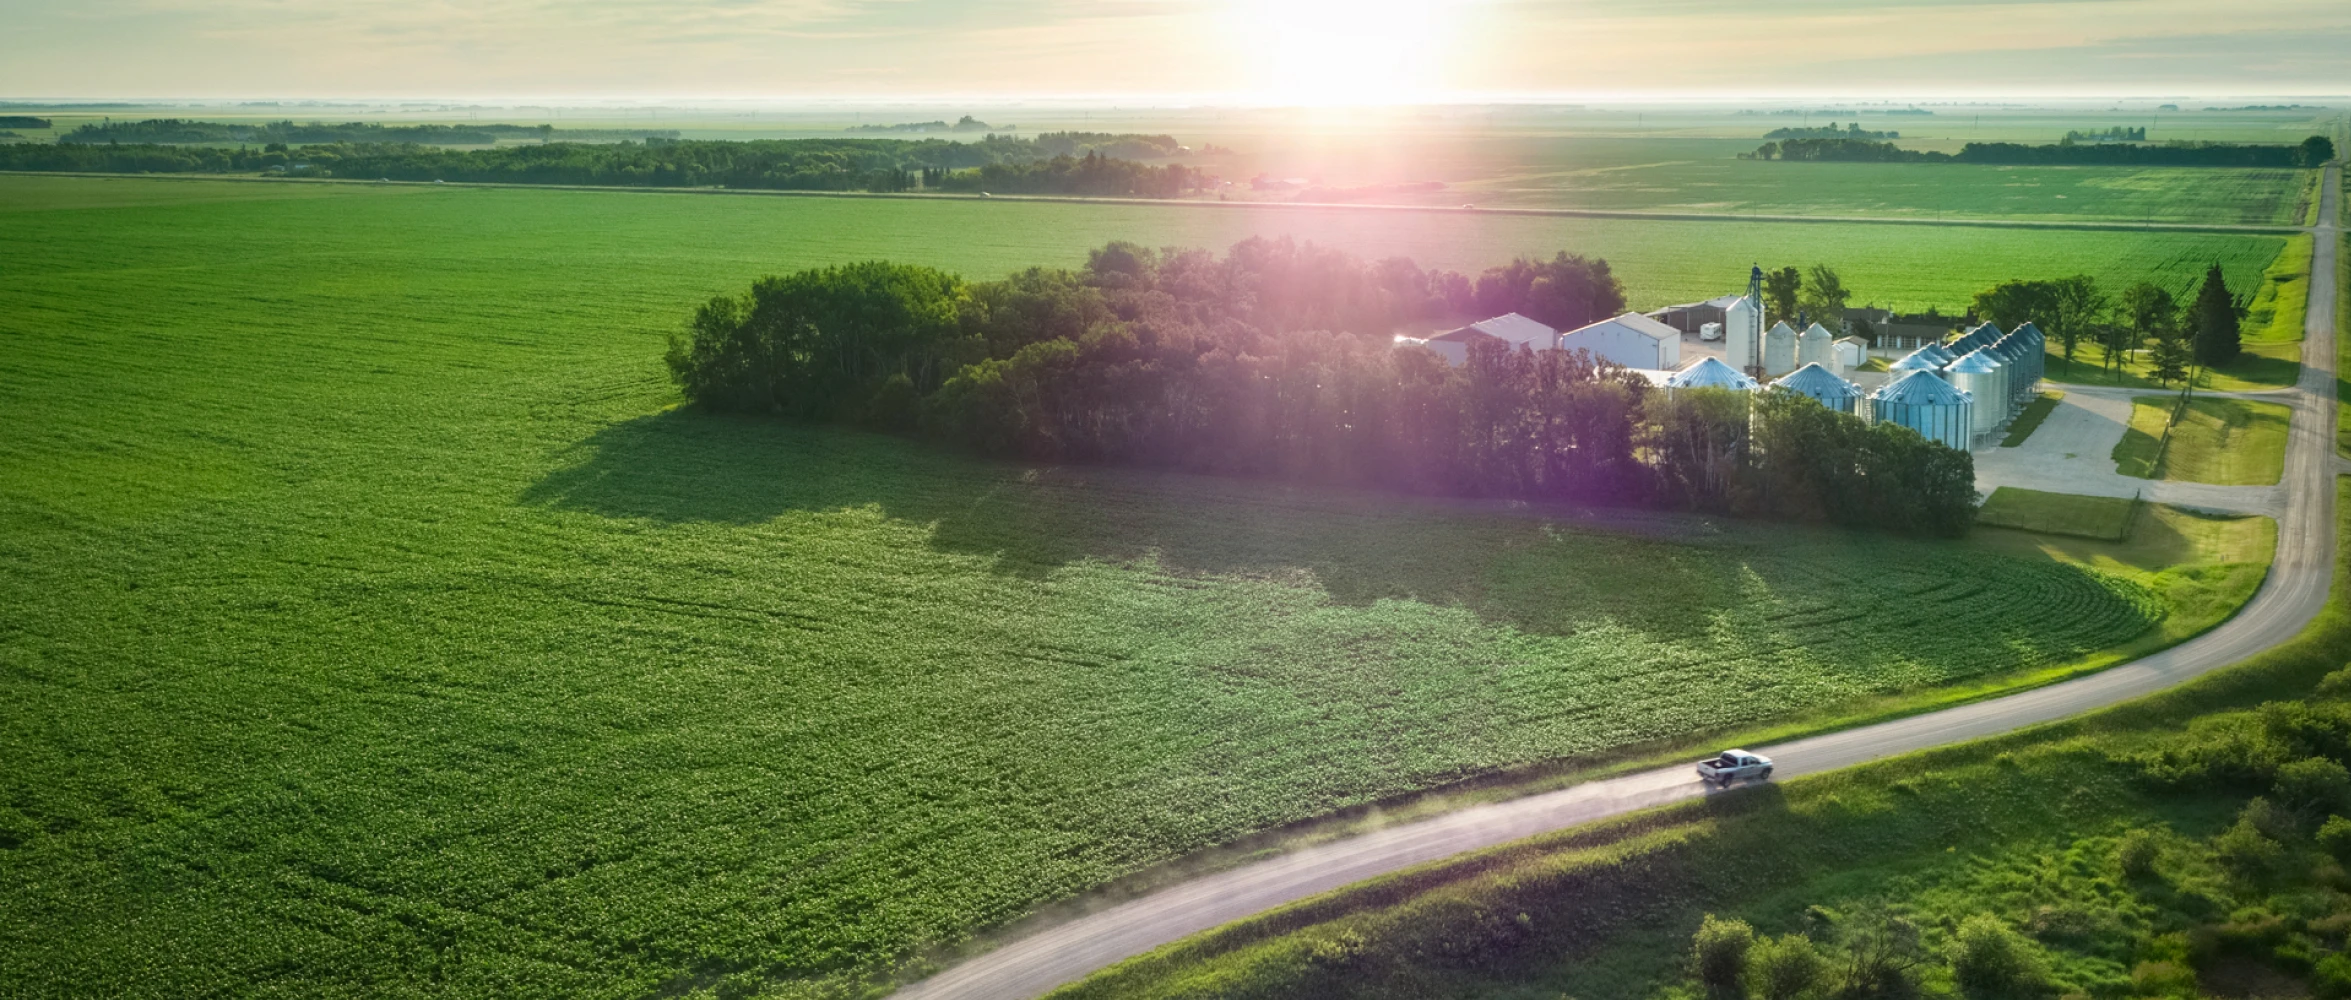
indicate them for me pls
(2292, 595)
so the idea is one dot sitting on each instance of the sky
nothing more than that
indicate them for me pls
(1250, 51)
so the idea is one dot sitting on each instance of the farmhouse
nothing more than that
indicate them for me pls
(1631, 340)
(1512, 329)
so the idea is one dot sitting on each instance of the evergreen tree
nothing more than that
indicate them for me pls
(2214, 318)
(2168, 362)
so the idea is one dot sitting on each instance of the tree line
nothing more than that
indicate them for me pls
(171, 131)
(2311, 152)
(781, 164)
(1278, 360)
(2199, 326)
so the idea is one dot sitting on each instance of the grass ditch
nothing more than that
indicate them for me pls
(2222, 442)
(2106, 519)
(2034, 827)
(2029, 420)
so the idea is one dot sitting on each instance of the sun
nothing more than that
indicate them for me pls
(1340, 52)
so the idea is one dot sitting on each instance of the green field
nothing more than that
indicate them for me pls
(374, 625)
(2226, 442)
(738, 237)
(2038, 830)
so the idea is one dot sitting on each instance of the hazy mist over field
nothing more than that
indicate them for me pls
(1248, 51)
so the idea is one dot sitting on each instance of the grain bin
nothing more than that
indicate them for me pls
(1742, 334)
(1710, 373)
(1928, 405)
(1981, 374)
(1817, 381)
(1921, 360)
(1779, 349)
(1817, 346)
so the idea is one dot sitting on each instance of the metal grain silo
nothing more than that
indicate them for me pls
(1928, 405)
(1779, 349)
(1921, 360)
(1981, 374)
(1817, 381)
(1816, 346)
(2020, 356)
(2038, 358)
(1710, 373)
(1742, 333)
(1942, 355)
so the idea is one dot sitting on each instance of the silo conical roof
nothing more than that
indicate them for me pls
(1920, 388)
(1818, 332)
(1710, 373)
(1976, 362)
(1921, 360)
(1818, 383)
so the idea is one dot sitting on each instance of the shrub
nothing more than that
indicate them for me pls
(1990, 960)
(2164, 979)
(2314, 787)
(1882, 957)
(2330, 979)
(1785, 967)
(2138, 852)
(2245, 850)
(2334, 837)
(1720, 952)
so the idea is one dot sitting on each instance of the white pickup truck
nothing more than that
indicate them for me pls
(1731, 765)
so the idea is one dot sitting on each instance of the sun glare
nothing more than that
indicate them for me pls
(1329, 52)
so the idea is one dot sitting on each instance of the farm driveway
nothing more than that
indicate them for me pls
(2073, 452)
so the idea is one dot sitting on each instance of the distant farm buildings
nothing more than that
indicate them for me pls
(1959, 390)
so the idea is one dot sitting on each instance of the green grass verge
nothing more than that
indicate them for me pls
(2283, 299)
(2258, 367)
(2029, 420)
(373, 615)
(2224, 442)
(2102, 518)
(2343, 347)
(2026, 827)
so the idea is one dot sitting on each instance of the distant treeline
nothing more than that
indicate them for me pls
(23, 121)
(1830, 131)
(2310, 152)
(2119, 133)
(998, 163)
(180, 130)
(1277, 360)
(965, 124)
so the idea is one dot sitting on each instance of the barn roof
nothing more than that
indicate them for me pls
(1510, 327)
(1634, 322)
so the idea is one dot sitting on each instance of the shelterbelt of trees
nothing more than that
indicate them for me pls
(2311, 152)
(1054, 163)
(1278, 360)
(171, 131)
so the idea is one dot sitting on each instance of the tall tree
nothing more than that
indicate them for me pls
(1824, 297)
(2168, 361)
(1780, 289)
(2080, 307)
(2147, 310)
(2213, 318)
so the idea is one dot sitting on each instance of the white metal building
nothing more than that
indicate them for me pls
(1631, 340)
(1512, 329)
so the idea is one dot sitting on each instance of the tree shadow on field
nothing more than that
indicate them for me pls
(1550, 570)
